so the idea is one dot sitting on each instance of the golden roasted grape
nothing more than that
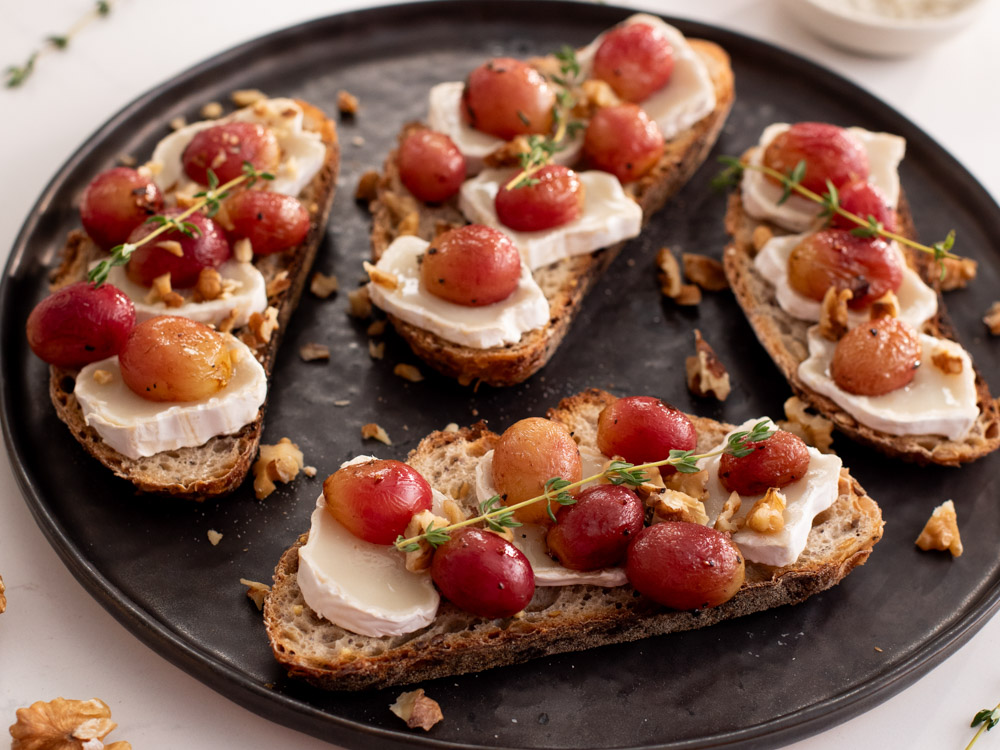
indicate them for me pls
(876, 358)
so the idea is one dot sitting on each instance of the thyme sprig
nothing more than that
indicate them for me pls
(16, 75)
(830, 201)
(209, 199)
(557, 490)
(985, 720)
(541, 148)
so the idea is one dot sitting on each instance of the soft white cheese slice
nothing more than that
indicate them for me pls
(530, 538)
(501, 323)
(444, 116)
(302, 151)
(609, 216)
(805, 499)
(934, 403)
(760, 196)
(248, 296)
(360, 586)
(917, 301)
(137, 427)
(687, 97)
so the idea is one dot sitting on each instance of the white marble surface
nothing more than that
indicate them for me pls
(57, 641)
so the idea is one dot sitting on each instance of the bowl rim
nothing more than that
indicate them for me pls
(887, 23)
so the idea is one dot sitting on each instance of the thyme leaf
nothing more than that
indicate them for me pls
(985, 719)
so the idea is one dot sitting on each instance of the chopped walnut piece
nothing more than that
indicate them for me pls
(670, 273)
(992, 319)
(3, 599)
(417, 710)
(695, 485)
(451, 427)
(705, 272)
(941, 531)
(376, 349)
(309, 471)
(761, 236)
(262, 326)
(208, 286)
(452, 509)
(958, 272)
(689, 295)
(420, 559)
(408, 372)
(64, 725)
(367, 189)
(947, 361)
(247, 97)
(377, 328)
(256, 592)
(177, 123)
(311, 352)
(409, 226)
(399, 205)
(705, 373)
(322, 285)
(509, 154)
(243, 250)
(359, 303)
(127, 160)
(276, 463)
(347, 103)
(214, 537)
(103, 377)
(767, 516)
(725, 520)
(172, 246)
(671, 505)
(211, 110)
(159, 289)
(886, 306)
(597, 94)
(227, 323)
(381, 278)
(815, 429)
(372, 431)
(278, 284)
(833, 313)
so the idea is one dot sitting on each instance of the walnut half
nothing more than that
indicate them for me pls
(64, 725)
(417, 710)
(705, 373)
(277, 463)
(941, 531)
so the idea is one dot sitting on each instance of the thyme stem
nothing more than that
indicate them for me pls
(986, 720)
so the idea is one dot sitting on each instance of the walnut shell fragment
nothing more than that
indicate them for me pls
(705, 373)
(64, 724)
(941, 531)
(417, 710)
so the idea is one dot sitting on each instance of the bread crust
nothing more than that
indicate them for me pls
(220, 465)
(564, 283)
(784, 338)
(558, 619)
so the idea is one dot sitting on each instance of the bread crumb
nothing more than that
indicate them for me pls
(342, 402)
(941, 531)
(311, 352)
(417, 710)
(767, 516)
(946, 361)
(211, 111)
(377, 328)
(127, 160)
(277, 463)
(705, 272)
(760, 237)
(214, 537)
(309, 471)
(177, 123)
(705, 373)
(358, 141)
(243, 250)
(367, 189)
(451, 427)
(103, 377)
(322, 285)
(992, 319)
(376, 349)
(297, 610)
(375, 432)
(958, 272)
(878, 649)
(670, 273)
(347, 103)
(256, 591)
(247, 97)
(815, 429)
(359, 303)
(833, 313)
(408, 372)
(886, 306)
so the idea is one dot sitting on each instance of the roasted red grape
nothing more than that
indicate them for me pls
(623, 140)
(869, 267)
(506, 97)
(271, 221)
(430, 165)
(642, 429)
(876, 358)
(776, 462)
(169, 358)
(207, 248)
(830, 153)
(595, 532)
(528, 454)
(483, 573)
(553, 198)
(376, 500)
(635, 59)
(685, 565)
(115, 203)
(80, 324)
(863, 199)
(472, 265)
(224, 148)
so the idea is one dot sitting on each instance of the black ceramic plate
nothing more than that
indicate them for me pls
(760, 680)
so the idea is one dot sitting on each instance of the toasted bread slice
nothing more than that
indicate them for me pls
(558, 619)
(219, 465)
(565, 283)
(784, 338)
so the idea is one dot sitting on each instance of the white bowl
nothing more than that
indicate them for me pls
(876, 35)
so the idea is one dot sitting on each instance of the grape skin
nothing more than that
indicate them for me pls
(623, 140)
(554, 197)
(876, 358)
(776, 462)
(116, 202)
(271, 221)
(208, 248)
(636, 60)
(830, 153)
(224, 148)
(430, 166)
(642, 429)
(474, 265)
(506, 98)
(595, 532)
